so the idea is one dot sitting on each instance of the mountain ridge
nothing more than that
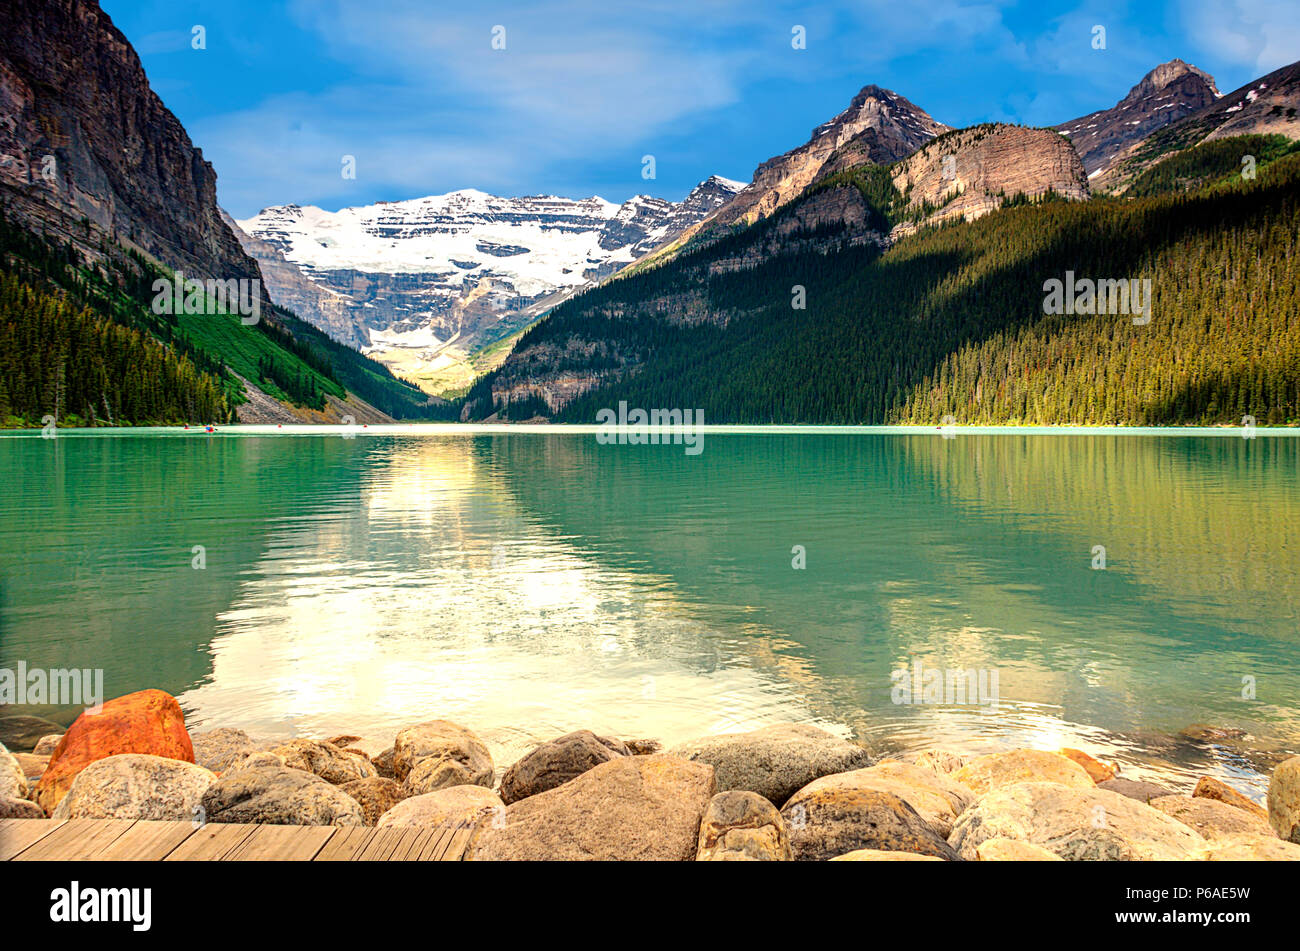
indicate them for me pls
(885, 124)
(1166, 94)
(1266, 105)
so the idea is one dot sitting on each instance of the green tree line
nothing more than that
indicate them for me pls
(65, 361)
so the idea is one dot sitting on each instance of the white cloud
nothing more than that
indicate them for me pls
(1262, 35)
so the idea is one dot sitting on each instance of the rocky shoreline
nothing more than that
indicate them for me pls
(789, 792)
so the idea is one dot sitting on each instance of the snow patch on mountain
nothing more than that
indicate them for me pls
(466, 266)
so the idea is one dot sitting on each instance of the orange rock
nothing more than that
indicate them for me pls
(1207, 787)
(1096, 769)
(149, 721)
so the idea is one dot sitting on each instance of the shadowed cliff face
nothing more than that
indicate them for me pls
(1166, 94)
(86, 138)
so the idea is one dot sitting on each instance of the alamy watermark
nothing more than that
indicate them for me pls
(1102, 296)
(78, 903)
(181, 295)
(933, 685)
(58, 686)
(655, 427)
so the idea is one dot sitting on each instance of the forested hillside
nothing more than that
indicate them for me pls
(951, 320)
(1220, 161)
(61, 361)
(80, 342)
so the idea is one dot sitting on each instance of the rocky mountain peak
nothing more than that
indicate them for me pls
(1165, 75)
(1168, 93)
(885, 126)
(882, 109)
(1264, 106)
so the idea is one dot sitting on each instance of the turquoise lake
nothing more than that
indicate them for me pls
(532, 581)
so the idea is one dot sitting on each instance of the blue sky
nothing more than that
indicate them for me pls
(583, 90)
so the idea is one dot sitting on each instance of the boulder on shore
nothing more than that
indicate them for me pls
(376, 795)
(1210, 818)
(1097, 771)
(632, 807)
(220, 749)
(1250, 848)
(12, 808)
(33, 767)
(13, 780)
(938, 798)
(1284, 800)
(1136, 789)
(136, 786)
(883, 855)
(775, 761)
(148, 721)
(1013, 850)
(47, 744)
(455, 807)
(826, 819)
(441, 754)
(1075, 823)
(555, 762)
(742, 826)
(280, 796)
(1207, 787)
(941, 761)
(325, 760)
(996, 770)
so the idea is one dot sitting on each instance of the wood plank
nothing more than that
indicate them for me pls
(177, 841)
(347, 844)
(18, 834)
(413, 845)
(448, 845)
(77, 840)
(148, 840)
(453, 849)
(212, 843)
(282, 843)
(433, 846)
(374, 845)
(405, 844)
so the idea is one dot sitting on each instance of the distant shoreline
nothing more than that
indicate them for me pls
(719, 429)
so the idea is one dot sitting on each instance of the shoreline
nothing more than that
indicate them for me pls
(715, 429)
(782, 792)
(1229, 751)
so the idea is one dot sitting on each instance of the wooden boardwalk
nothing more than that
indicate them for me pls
(99, 840)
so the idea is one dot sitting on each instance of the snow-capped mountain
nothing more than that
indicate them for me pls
(428, 283)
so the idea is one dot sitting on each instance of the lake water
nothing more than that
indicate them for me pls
(532, 581)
